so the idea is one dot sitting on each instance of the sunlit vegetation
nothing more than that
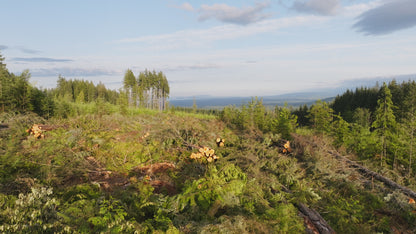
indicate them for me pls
(81, 158)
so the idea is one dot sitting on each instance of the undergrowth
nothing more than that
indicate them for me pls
(123, 173)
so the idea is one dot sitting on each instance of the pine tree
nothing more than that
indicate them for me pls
(284, 123)
(385, 121)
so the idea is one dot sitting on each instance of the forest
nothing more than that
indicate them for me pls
(81, 158)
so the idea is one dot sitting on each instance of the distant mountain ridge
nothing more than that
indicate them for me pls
(294, 99)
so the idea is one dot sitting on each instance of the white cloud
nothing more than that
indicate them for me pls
(203, 37)
(71, 72)
(41, 60)
(231, 14)
(186, 6)
(318, 7)
(357, 9)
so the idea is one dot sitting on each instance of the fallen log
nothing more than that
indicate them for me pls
(375, 175)
(363, 170)
(314, 221)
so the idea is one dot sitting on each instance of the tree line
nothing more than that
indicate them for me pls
(377, 123)
(17, 94)
(148, 90)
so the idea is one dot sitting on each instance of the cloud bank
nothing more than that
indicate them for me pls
(28, 51)
(390, 17)
(40, 60)
(317, 7)
(203, 37)
(72, 72)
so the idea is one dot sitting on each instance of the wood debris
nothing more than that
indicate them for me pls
(286, 148)
(154, 168)
(220, 142)
(38, 130)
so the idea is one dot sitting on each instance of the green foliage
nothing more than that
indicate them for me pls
(321, 116)
(363, 142)
(348, 102)
(254, 116)
(385, 121)
(100, 161)
(340, 130)
(285, 123)
(218, 188)
(18, 95)
(110, 218)
(82, 91)
(35, 212)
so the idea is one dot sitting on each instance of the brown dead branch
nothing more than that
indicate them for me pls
(154, 168)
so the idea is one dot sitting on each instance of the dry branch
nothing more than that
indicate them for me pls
(154, 168)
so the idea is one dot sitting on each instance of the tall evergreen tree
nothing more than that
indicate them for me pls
(410, 119)
(385, 121)
(4, 83)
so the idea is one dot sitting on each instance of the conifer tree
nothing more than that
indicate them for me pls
(410, 119)
(4, 83)
(385, 121)
(285, 122)
(321, 116)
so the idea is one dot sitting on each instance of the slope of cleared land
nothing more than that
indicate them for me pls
(115, 173)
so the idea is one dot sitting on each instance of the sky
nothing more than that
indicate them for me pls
(208, 47)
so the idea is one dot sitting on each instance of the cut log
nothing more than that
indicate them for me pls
(283, 145)
(38, 130)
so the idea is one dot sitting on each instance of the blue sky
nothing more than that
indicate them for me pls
(219, 48)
